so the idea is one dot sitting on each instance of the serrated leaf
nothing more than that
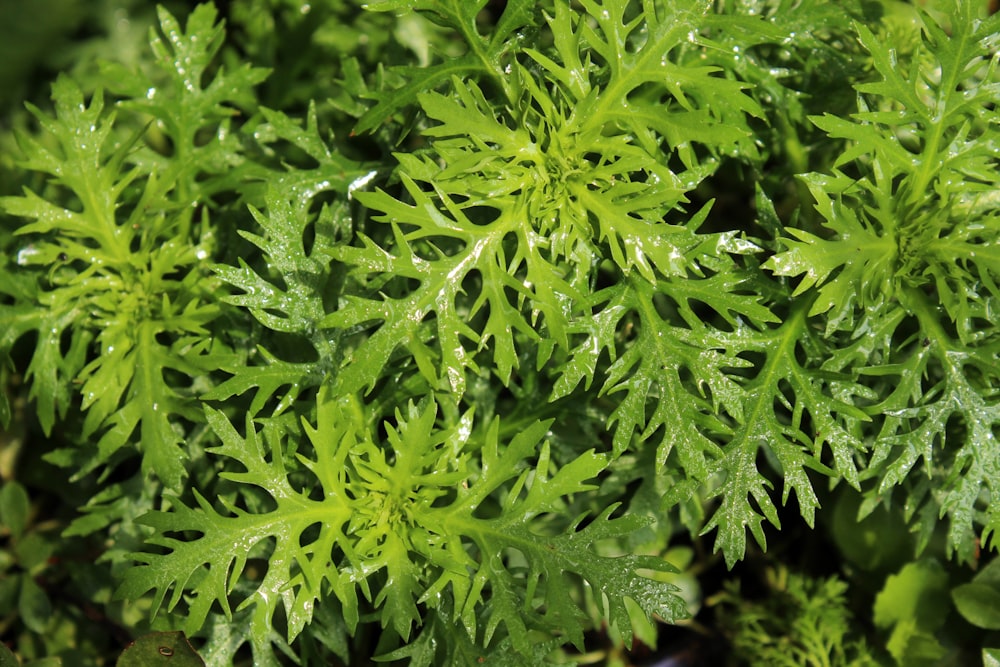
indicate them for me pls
(123, 309)
(333, 171)
(898, 224)
(773, 419)
(293, 296)
(923, 404)
(477, 249)
(379, 514)
(188, 99)
(483, 56)
(146, 403)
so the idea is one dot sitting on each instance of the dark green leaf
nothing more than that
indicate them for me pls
(979, 604)
(14, 507)
(160, 649)
(34, 605)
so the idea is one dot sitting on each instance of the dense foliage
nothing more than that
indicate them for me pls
(451, 332)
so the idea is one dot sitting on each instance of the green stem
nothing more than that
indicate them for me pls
(929, 316)
(930, 162)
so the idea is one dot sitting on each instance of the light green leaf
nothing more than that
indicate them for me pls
(379, 511)
(910, 605)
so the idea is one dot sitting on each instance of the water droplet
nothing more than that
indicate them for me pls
(121, 21)
(25, 254)
(360, 182)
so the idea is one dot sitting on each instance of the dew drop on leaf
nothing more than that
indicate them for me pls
(158, 649)
(25, 254)
(360, 182)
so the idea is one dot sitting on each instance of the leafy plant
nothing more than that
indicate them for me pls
(803, 622)
(429, 348)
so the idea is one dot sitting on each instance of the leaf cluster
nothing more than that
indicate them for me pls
(577, 274)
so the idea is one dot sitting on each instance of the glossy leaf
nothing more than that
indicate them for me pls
(160, 649)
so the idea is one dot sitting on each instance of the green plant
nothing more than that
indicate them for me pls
(592, 278)
(802, 622)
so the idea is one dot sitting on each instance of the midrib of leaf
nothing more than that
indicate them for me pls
(929, 161)
(785, 336)
(937, 120)
(976, 460)
(294, 514)
(630, 76)
(158, 437)
(930, 322)
(101, 207)
(949, 248)
(440, 283)
(476, 43)
(648, 316)
(635, 236)
(791, 329)
(759, 423)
